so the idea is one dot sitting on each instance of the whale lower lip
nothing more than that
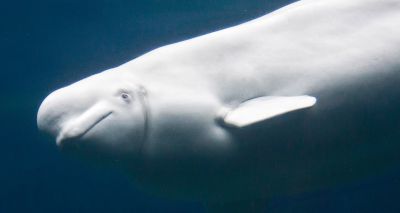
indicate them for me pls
(64, 137)
(81, 125)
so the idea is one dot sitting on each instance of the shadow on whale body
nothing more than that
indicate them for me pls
(244, 114)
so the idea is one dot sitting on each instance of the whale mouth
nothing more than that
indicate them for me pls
(80, 126)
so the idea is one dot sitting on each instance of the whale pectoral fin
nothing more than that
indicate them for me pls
(263, 108)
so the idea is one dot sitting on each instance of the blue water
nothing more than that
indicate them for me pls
(47, 44)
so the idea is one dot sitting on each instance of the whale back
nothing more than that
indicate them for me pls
(298, 46)
(344, 53)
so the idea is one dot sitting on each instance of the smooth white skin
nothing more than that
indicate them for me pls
(97, 110)
(344, 53)
(260, 109)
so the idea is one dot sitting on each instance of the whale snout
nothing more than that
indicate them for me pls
(49, 115)
(79, 125)
(63, 115)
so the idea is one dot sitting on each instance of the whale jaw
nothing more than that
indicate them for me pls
(70, 126)
(81, 125)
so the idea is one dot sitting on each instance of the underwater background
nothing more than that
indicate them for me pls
(48, 44)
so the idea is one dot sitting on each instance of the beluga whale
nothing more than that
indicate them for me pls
(304, 98)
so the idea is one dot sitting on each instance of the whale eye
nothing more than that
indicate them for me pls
(125, 96)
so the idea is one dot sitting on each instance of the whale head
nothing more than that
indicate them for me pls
(100, 116)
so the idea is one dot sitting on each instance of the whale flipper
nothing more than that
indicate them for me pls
(263, 108)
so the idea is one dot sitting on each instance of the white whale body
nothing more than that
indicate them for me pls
(290, 102)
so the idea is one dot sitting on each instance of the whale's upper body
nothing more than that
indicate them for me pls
(288, 102)
(304, 46)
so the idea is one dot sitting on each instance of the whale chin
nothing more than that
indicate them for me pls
(76, 130)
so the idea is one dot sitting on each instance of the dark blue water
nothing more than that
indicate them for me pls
(50, 43)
